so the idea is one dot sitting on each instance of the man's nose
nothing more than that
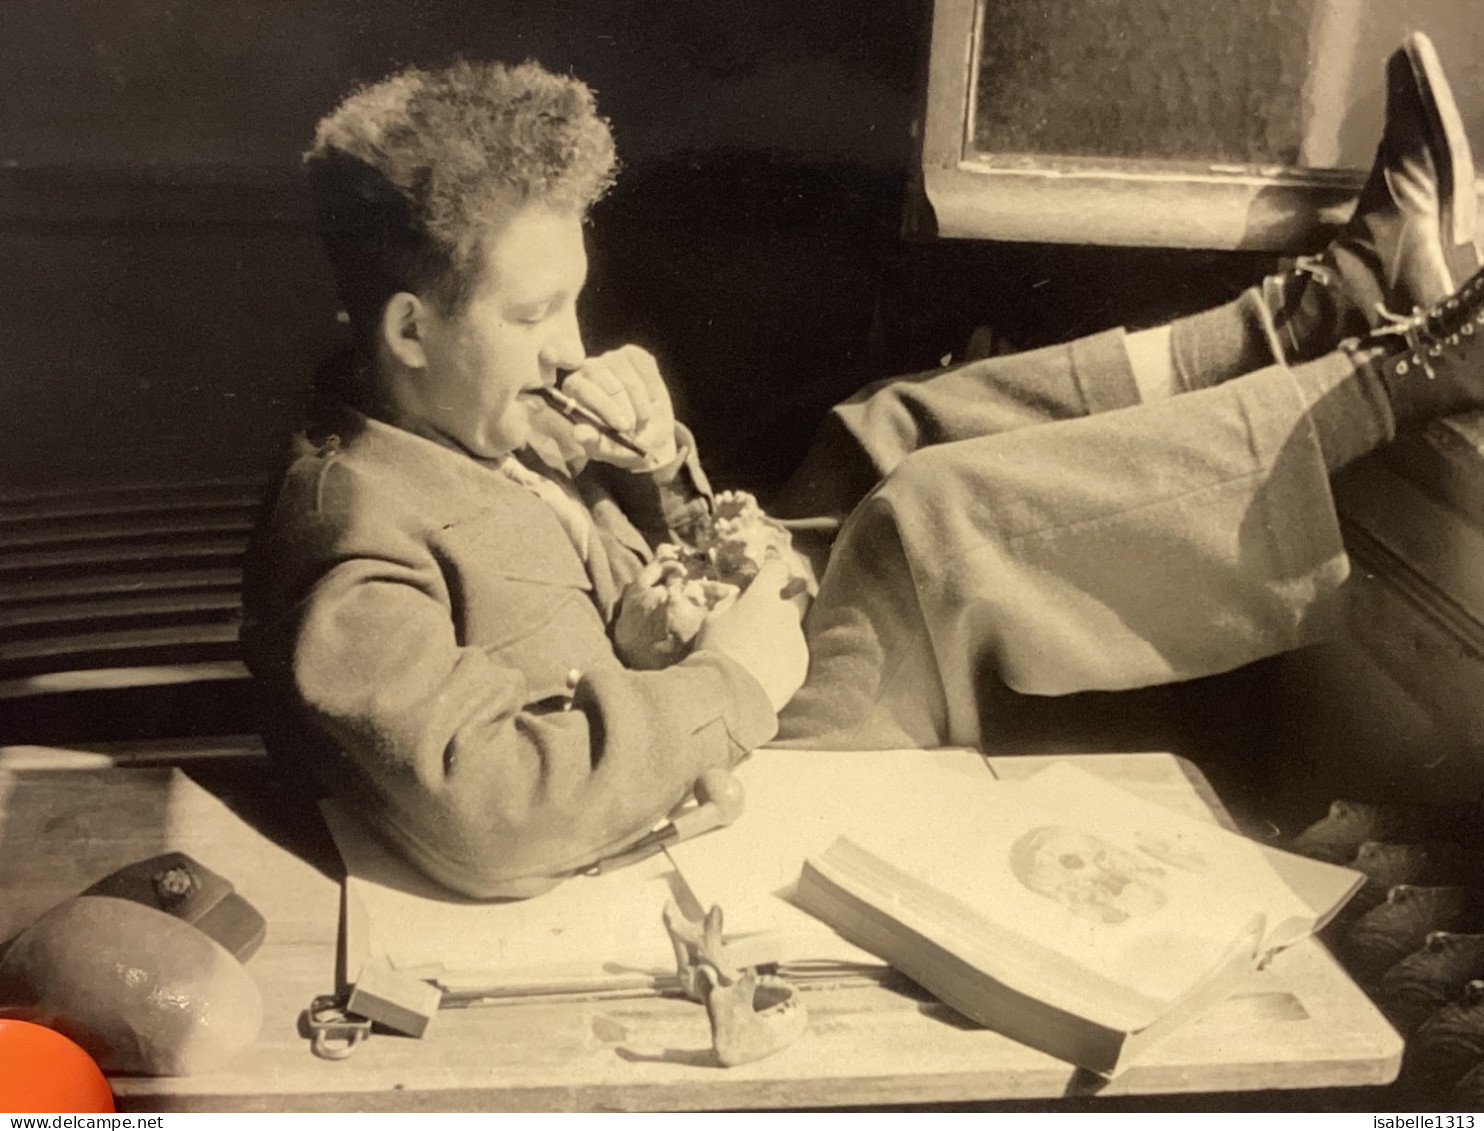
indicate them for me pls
(564, 349)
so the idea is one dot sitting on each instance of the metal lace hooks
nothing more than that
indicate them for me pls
(334, 1033)
(1410, 328)
(1314, 268)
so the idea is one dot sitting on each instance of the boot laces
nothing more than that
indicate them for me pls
(1413, 329)
(1428, 332)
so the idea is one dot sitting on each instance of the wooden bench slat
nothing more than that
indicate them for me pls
(68, 502)
(83, 509)
(37, 617)
(223, 550)
(113, 529)
(122, 640)
(113, 679)
(105, 588)
(244, 748)
(138, 583)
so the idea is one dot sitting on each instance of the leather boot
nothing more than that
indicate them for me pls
(1411, 241)
(1431, 362)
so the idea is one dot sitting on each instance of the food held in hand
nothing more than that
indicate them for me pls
(742, 537)
(686, 584)
(660, 622)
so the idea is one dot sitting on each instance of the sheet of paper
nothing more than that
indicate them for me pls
(587, 931)
(797, 802)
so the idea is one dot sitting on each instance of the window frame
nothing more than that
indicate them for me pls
(1137, 202)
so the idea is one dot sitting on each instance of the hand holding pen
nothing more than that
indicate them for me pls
(577, 414)
(620, 409)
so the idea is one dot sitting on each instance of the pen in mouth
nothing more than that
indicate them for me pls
(580, 414)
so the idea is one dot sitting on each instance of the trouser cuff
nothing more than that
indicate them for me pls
(1103, 373)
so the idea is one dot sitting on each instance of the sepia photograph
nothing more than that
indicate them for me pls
(905, 556)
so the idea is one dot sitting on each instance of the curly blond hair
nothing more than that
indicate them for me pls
(411, 175)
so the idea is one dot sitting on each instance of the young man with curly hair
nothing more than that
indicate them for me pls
(439, 605)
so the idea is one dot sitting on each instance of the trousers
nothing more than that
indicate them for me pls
(1025, 522)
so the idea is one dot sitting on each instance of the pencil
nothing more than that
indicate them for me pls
(581, 414)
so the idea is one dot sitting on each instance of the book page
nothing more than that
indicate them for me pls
(1149, 898)
(797, 802)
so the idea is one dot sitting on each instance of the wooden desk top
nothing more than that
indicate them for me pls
(1304, 1025)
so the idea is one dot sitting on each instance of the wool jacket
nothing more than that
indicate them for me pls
(432, 647)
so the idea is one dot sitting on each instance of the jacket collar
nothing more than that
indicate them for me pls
(455, 483)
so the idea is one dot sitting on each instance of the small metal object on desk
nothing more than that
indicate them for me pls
(335, 1032)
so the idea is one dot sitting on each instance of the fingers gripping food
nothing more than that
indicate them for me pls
(664, 610)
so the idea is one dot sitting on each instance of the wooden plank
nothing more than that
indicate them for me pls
(221, 550)
(112, 529)
(97, 576)
(1211, 210)
(35, 619)
(116, 678)
(1430, 649)
(1306, 1026)
(137, 582)
(99, 644)
(67, 501)
(1414, 528)
(139, 752)
(1447, 460)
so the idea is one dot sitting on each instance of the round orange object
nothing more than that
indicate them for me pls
(41, 1070)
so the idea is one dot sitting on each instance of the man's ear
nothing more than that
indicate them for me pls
(404, 327)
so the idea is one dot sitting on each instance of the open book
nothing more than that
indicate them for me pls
(1070, 914)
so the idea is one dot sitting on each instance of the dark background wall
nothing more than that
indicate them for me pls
(164, 304)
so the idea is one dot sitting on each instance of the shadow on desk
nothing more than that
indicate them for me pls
(281, 810)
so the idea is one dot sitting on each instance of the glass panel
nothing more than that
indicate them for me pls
(1162, 79)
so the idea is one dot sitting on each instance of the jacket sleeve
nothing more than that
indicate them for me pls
(665, 505)
(487, 789)
(490, 784)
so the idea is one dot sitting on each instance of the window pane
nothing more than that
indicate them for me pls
(1162, 79)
